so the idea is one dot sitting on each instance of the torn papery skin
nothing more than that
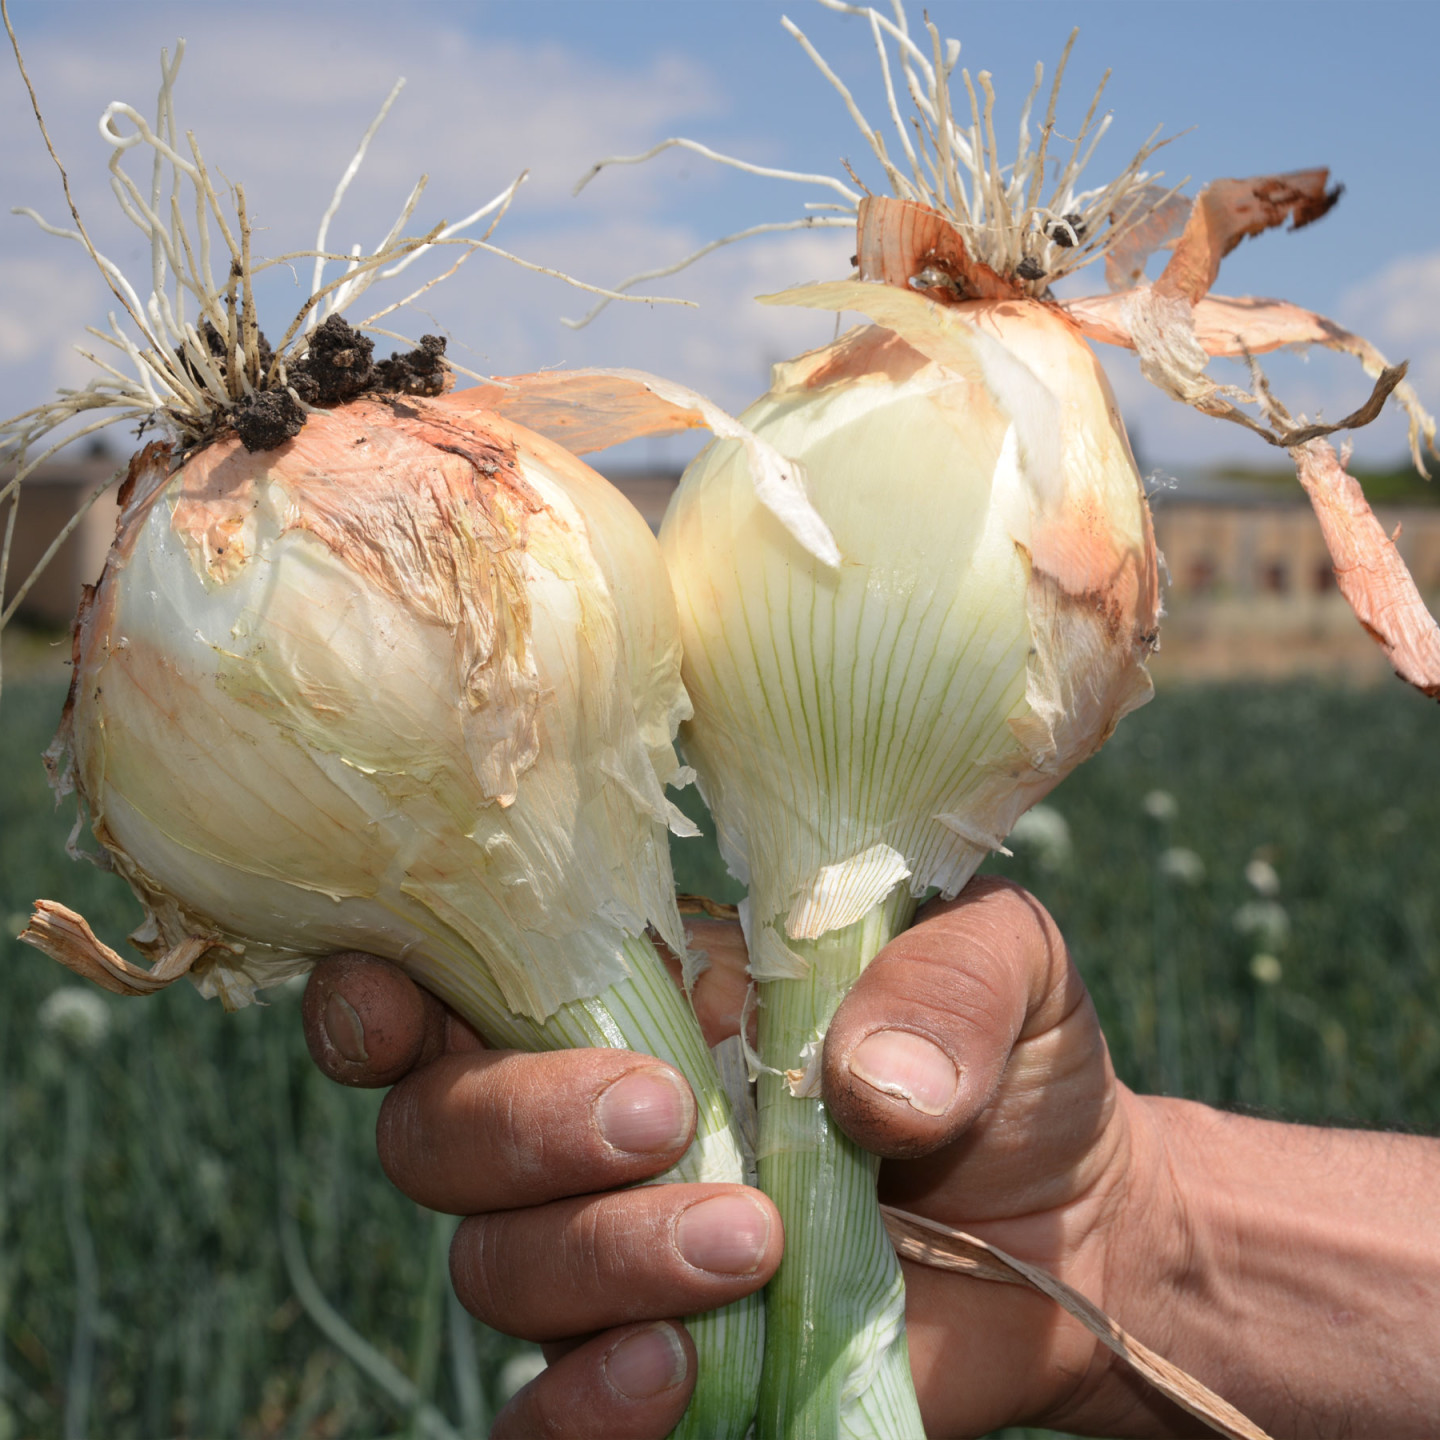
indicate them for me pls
(587, 410)
(1176, 326)
(1368, 569)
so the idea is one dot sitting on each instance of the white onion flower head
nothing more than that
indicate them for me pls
(1160, 805)
(77, 1014)
(1043, 829)
(1182, 864)
(1265, 920)
(1263, 878)
(1266, 969)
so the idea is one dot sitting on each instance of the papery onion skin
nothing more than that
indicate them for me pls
(868, 731)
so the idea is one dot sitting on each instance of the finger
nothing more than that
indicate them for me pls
(603, 1260)
(494, 1130)
(720, 989)
(917, 1049)
(634, 1383)
(367, 1023)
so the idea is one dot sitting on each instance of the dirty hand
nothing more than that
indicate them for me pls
(968, 1055)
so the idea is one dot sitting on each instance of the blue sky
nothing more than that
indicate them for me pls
(278, 96)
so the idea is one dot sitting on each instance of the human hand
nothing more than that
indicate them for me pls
(527, 1146)
(968, 1054)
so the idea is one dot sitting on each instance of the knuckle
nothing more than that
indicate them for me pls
(498, 1130)
(610, 1247)
(398, 1131)
(547, 1272)
(994, 932)
(460, 1135)
(500, 1114)
(474, 1260)
(918, 985)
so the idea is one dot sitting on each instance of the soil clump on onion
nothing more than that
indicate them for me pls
(339, 366)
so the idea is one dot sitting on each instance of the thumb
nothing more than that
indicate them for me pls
(917, 1049)
(368, 1024)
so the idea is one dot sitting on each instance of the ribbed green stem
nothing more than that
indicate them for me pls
(836, 1363)
(648, 1014)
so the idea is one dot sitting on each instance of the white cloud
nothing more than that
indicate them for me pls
(1399, 310)
(282, 100)
(1400, 304)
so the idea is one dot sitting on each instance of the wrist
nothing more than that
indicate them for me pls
(1149, 1259)
(1294, 1270)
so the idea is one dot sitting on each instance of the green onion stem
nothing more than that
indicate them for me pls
(836, 1362)
(647, 1013)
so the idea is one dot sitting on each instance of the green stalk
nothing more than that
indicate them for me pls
(648, 1014)
(836, 1362)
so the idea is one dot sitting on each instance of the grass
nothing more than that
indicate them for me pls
(1333, 790)
(145, 1173)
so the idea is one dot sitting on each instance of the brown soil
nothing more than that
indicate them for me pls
(339, 365)
(267, 419)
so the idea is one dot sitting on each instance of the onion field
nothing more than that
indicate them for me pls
(196, 1239)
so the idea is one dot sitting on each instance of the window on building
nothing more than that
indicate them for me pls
(1324, 577)
(1275, 577)
(1200, 575)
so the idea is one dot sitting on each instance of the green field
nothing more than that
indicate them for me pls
(181, 1197)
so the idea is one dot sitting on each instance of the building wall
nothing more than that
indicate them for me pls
(1252, 592)
(48, 500)
(1221, 550)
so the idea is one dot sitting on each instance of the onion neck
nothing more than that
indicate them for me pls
(836, 1361)
(646, 1013)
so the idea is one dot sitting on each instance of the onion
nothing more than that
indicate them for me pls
(866, 733)
(307, 703)
(374, 668)
(405, 685)
(873, 713)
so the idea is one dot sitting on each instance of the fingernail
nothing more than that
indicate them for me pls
(646, 1363)
(727, 1235)
(344, 1030)
(895, 1062)
(646, 1112)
